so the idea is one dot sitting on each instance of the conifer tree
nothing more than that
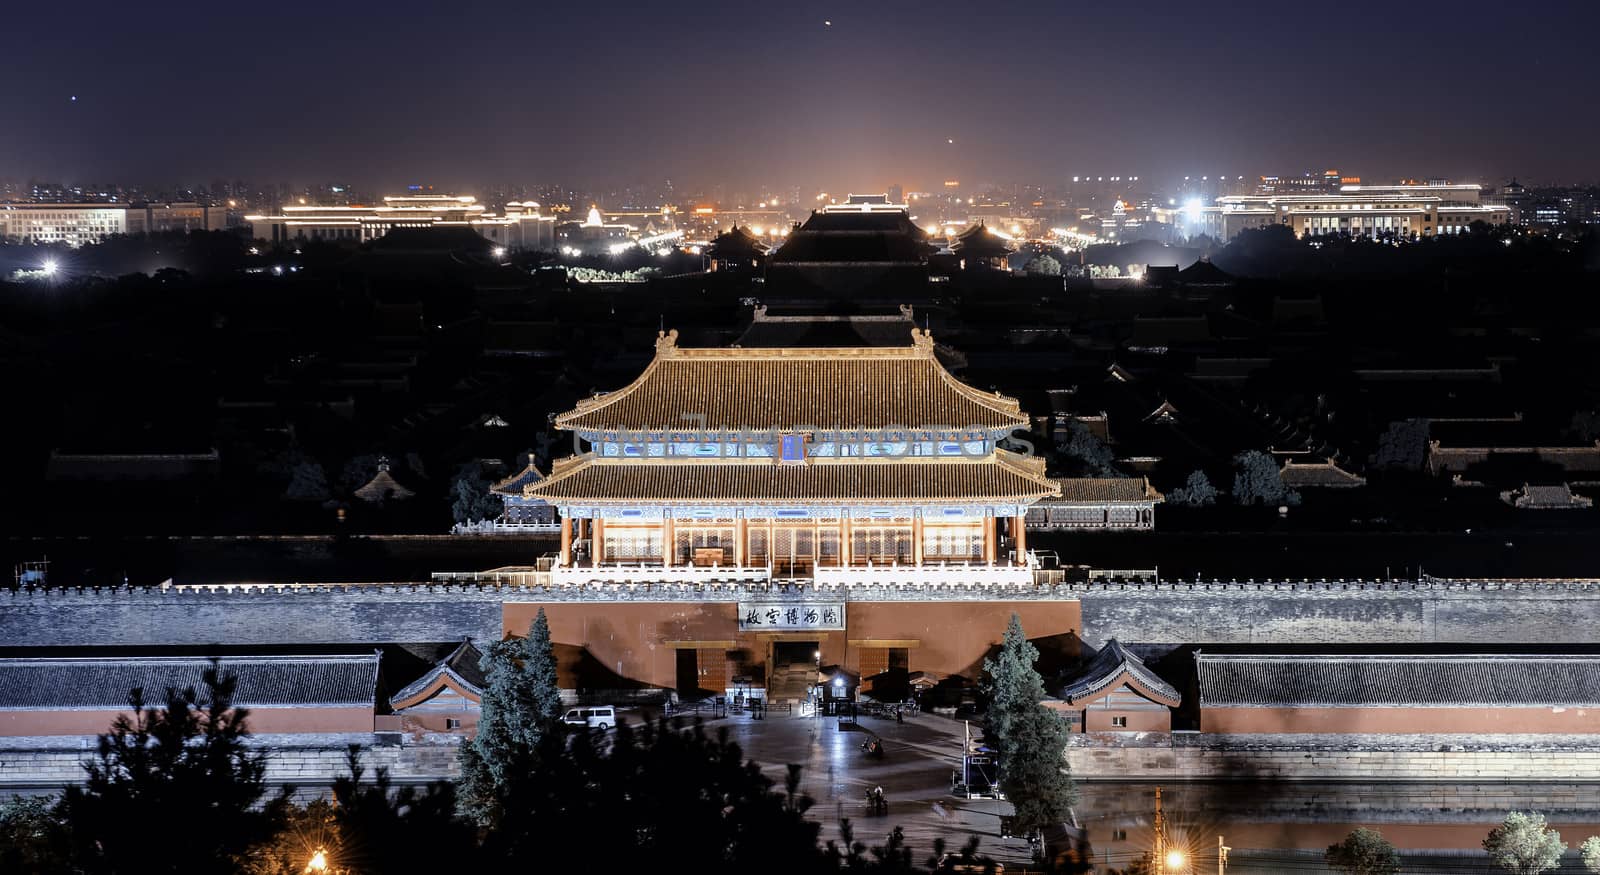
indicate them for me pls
(1030, 739)
(521, 703)
(174, 776)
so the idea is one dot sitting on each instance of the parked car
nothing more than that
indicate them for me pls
(601, 718)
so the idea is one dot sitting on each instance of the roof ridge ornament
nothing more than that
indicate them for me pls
(667, 342)
(922, 340)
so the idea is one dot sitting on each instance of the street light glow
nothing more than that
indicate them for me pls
(1174, 861)
(49, 267)
(318, 861)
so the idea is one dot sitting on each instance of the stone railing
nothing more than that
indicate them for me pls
(658, 574)
(925, 575)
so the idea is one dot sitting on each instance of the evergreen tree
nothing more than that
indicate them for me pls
(1092, 455)
(1590, 852)
(1197, 491)
(32, 836)
(1030, 739)
(1043, 265)
(1363, 852)
(1257, 481)
(1523, 845)
(521, 704)
(1403, 446)
(398, 832)
(471, 499)
(176, 776)
(307, 482)
(653, 799)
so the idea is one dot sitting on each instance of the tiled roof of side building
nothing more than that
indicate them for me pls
(830, 389)
(462, 666)
(1102, 489)
(1335, 681)
(684, 481)
(94, 683)
(1114, 665)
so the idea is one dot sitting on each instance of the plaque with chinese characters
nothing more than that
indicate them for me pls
(790, 616)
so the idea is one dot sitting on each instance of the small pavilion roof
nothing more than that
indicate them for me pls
(1113, 667)
(516, 483)
(1204, 273)
(735, 243)
(104, 682)
(383, 487)
(591, 479)
(978, 241)
(459, 667)
(844, 388)
(1402, 681)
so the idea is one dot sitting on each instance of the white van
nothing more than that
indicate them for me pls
(602, 718)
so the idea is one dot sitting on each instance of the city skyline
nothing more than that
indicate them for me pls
(864, 98)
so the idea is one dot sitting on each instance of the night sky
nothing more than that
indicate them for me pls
(616, 92)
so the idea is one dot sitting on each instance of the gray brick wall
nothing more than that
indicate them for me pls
(1167, 613)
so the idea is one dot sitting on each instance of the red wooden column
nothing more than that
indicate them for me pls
(598, 548)
(989, 538)
(669, 542)
(1019, 537)
(741, 547)
(916, 539)
(566, 541)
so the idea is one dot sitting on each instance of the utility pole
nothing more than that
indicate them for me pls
(1161, 837)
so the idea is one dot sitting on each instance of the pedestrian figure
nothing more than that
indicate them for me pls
(899, 716)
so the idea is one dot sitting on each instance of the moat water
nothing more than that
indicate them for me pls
(1284, 827)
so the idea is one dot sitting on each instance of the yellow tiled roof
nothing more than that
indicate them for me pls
(1000, 477)
(825, 389)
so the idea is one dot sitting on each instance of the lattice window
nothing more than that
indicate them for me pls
(963, 542)
(632, 543)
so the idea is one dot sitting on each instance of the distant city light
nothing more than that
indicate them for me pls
(49, 268)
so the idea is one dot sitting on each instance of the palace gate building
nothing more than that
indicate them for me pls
(760, 513)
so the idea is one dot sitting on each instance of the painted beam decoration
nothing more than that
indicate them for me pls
(790, 616)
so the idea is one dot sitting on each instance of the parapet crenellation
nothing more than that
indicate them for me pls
(1133, 610)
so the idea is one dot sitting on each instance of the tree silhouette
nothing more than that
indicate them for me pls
(177, 776)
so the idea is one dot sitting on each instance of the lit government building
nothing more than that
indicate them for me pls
(1405, 210)
(521, 227)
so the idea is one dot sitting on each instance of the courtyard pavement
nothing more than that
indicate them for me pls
(919, 757)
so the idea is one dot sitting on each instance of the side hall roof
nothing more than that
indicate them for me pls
(1112, 667)
(104, 683)
(461, 666)
(1400, 681)
(831, 389)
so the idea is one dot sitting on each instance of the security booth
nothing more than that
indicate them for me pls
(978, 777)
(836, 690)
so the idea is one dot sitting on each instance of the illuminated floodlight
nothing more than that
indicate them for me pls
(499, 252)
(318, 861)
(1175, 861)
(49, 267)
(838, 682)
(1193, 208)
